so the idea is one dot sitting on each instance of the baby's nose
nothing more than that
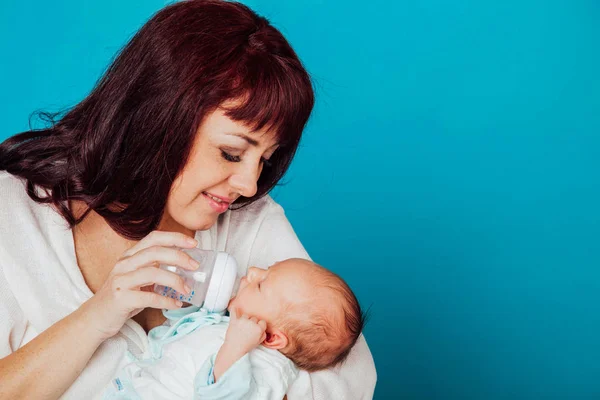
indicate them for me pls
(252, 273)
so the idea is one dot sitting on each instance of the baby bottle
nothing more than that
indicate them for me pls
(211, 284)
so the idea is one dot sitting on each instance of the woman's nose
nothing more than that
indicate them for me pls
(245, 183)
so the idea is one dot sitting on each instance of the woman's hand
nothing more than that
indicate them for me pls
(122, 296)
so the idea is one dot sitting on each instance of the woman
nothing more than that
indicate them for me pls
(177, 146)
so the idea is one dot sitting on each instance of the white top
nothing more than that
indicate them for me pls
(40, 283)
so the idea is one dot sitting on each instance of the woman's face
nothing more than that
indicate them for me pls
(225, 162)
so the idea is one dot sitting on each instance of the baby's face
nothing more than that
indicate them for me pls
(265, 293)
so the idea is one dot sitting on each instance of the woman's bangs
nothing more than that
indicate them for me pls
(275, 98)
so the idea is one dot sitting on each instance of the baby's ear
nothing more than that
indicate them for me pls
(275, 339)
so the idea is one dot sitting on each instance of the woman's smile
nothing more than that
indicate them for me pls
(218, 204)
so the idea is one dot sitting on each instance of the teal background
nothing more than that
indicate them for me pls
(450, 173)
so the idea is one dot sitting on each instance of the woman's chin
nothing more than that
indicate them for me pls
(200, 224)
(187, 221)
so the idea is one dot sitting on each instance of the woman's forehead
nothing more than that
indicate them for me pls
(260, 122)
(264, 137)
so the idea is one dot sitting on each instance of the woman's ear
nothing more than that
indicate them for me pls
(275, 339)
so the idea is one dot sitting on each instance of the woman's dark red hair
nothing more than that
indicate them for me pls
(120, 149)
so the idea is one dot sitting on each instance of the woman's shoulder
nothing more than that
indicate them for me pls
(20, 215)
(8, 180)
(260, 234)
(256, 212)
(263, 205)
(14, 192)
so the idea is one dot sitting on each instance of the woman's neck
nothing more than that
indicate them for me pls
(168, 224)
(97, 246)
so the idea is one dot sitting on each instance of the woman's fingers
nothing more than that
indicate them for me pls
(160, 238)
(150, 299)
(148, 276)
(153, 256)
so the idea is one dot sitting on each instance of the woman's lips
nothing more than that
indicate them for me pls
(217, 203)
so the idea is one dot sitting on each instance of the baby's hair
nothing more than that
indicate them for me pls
(322, 335)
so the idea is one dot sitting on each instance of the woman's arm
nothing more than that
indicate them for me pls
(354, 380)
(48, 365)
(275, 240)
(63, 350)
(45, 367)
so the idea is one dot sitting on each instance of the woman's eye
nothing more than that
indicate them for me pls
(230, 157)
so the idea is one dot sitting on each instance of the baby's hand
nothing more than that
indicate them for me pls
(244, 333)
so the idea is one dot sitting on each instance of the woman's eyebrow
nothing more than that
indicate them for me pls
(248, 139)
(252, 142)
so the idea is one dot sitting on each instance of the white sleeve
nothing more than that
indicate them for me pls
(235, 384)
(354, 379)
(13, 322)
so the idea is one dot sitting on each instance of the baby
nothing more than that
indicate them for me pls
(295, 315)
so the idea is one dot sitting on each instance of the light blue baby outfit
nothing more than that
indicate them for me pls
(180, 360)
